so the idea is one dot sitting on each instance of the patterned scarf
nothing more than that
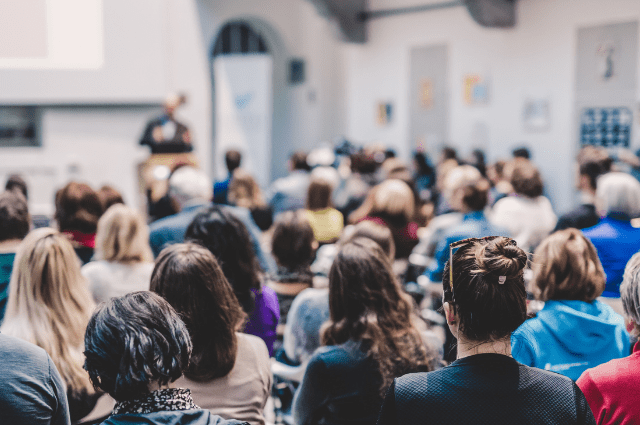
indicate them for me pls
(158, 401)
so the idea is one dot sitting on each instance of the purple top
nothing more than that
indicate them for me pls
(263, 320)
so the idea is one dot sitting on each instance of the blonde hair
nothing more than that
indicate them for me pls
(123, 236)
(391, 197)
(244, 191)
(49, 303)
(566, 267)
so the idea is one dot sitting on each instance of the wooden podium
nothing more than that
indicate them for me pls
(150, 186)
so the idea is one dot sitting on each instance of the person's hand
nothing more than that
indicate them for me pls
(186, 137)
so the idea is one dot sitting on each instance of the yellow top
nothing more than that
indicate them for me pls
(327, 224)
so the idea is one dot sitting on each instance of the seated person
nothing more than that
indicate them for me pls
(228, 240)
(326, 221)
(229, 373)
(293, 246)
(31, 389)
(610, 388)
(124, 261)
(135, 346)
(574, 331)
(526, 213)
(14, 226)
(469, 196)
(78, 210)
(232, 159)
(592, 163)
(244, 192)
(371, 337)
(615, 239)
(485, 301)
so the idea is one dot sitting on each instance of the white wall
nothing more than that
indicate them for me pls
(537, 57)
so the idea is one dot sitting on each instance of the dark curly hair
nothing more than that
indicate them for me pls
(228, 240)
(190, 279)
(14, 216)
(487, 309)
(292, 241)
(367, 304)
(133, 341)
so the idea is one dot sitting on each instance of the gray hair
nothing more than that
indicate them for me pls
(189, 183)
(630, 288)
(618, 193)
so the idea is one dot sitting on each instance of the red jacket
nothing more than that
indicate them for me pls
(611, 390)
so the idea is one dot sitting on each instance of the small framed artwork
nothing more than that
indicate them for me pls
(384, 112)
(536, 115)
(476, 90)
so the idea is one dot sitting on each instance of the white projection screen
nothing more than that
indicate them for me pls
(243, 111)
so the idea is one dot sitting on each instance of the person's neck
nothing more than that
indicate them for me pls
(10, 245)
(468, 348)
(587, 197)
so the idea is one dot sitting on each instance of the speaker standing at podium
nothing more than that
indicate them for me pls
(165, 134)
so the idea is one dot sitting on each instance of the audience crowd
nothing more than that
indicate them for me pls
(358, 289)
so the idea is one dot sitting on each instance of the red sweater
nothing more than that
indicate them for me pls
(611, 390)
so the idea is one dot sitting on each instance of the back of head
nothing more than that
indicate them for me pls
(299, 161)
(244, 190)
(448, 153)
(619, 194)
(134, 341)
(232, 158)
(377, 233)
(319, 195)
(488, 290)
(366, 303)
(188, 184)
(566, 267)
(466, 182)
(228, 240)
(522, 152)
(363, 162)
(78, 208)
(123, 236)
(109, 196)
(14, 216)
(630, 290)
(525, 178)
(394, 198)
(49, 302)
(17, 183)
(592, 163)
(292, 241)
(190, 279)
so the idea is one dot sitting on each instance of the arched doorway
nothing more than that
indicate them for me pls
(242, 68)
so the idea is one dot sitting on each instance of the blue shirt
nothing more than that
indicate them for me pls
(473, 225)
(616, 241)
(6, 265)
(571, 336)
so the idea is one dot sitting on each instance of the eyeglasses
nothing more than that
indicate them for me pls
(459, 244)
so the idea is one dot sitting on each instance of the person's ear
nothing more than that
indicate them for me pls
(450, 313)
(631, 325)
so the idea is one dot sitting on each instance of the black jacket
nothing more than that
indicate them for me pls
(485, 389)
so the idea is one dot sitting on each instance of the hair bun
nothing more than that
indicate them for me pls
(501, 256)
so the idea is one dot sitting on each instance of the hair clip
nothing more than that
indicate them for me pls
(501, 279)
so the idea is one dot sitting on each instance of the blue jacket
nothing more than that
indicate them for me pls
(177, 417)
(616, 241)
(473, 225)
(571, 336)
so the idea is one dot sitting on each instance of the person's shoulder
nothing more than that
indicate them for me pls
(545, 380)
(163, 223)
(191, 416)
(18, 351)
(253, 344)
(612, 374)
(93, 267)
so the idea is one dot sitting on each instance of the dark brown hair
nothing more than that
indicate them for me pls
(319, 195)
(17, 183)
(232, 159)
(14, 216)
(593, 162)
(299, 161)
(190, 279)
(108, 196)
(228, 240)
(567, 267)
(475, 195)
(525, 179)
(367, 304)
(292, 241)
(78, 208)
(487, 309)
